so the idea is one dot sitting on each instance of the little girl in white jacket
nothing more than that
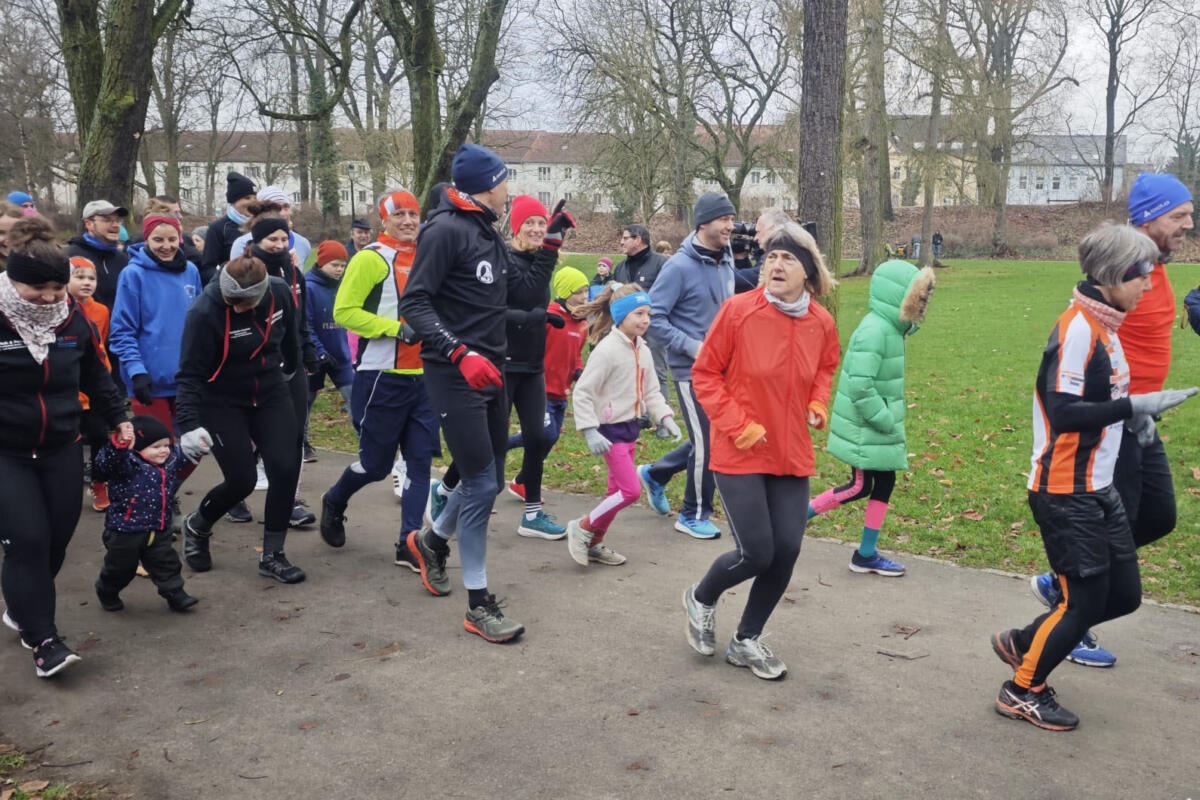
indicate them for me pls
(617, 386)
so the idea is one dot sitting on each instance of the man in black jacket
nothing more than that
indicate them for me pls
(100, 244)
(227, 228)
(456, 302)
(641, 265)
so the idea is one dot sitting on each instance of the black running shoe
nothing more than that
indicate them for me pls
(52, 657)
(109, 600)
(276, 565)
(333, 522)
(301, 515)
(404, 558)
(1004, 644)
(195, 545)
(1038, 708)
(179, 600)
(310, 455)
(240, 513)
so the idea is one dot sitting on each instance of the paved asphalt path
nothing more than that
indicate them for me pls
(359, 684)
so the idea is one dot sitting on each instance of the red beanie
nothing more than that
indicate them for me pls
(150, 223)
(397, 199)
(331, 251)
(524, 207)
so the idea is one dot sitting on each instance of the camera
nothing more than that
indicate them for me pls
(744, 229)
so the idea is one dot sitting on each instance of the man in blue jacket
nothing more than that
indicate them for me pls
(685, 298)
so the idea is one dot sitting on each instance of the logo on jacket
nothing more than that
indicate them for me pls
(190, 291)
(483, 272)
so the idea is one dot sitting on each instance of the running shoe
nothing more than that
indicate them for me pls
(437, 504)
(405, 558)
(260, 485)
(430, 563)
(603, 554)
(310, 453)
(179, 600)
(109, 600)
(1037, 708)
(1089, 654)
(1045, 589)
(195, 545)
(52, 657)
(276, 565)
(399, 477)
(543, 526)
(333, 522)
(1004, 644)
(696, 528)
(754, 654)
(240, 513)
(99, 496)
(878, 563)
(702, 623)
(578, 540)
(517, 490)
(656, 493)
(489, 622)
(301, 515)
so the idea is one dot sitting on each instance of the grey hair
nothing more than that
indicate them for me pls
(1107, 253)
(202, 231)
(775, 217)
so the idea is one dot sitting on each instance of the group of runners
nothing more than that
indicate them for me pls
(439, 328)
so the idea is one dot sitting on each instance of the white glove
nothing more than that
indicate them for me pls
(195, 444)
(1158, 402)
(667, 429)
(596, 441)
(1142, 426)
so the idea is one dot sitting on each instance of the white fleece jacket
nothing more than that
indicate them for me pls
(618, 384)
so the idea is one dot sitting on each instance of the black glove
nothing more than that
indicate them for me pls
(555, 320)
(407, 335)
(324, 360)
(560, 223)
(312, 365)
(141, 389)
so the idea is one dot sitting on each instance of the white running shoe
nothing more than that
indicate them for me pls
(261, 484)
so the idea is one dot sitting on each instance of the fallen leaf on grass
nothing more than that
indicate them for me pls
(341, 676)
(638, 765)
(360, 645)
(308, 726)
(1196, 473)
(633, 712)
(33, 786)
(972, 514)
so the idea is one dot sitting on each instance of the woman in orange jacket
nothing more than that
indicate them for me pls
(763, 376)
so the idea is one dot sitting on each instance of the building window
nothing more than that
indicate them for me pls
(185, 172)
(567, 196)
(544, 198)
(770, 177)
(543, 173)
(1091, 179)
(895, 173)
(185, 194)
(597, 199)
(1023, 181)
(345, 195)
(253, 172)
(566, 173)
(295, 197)
(1039, 182)
(1055, 182)
(1072, 181)
(512, 174)
(755, 177)
(362, 196)
(769, 202)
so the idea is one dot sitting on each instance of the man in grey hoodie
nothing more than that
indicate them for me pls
(684, 301)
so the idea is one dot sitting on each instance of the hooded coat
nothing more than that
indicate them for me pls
(866, 427)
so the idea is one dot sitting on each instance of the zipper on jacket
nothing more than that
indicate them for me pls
(128, 511)
(163, 513)
(42, 402)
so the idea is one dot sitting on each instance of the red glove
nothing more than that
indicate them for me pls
(477, 369)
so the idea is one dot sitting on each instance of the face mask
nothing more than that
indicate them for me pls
(235, 216)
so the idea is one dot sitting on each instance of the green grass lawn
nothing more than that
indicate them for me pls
(971, 370)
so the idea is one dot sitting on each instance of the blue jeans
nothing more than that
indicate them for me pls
(551, 430)
(391, 411)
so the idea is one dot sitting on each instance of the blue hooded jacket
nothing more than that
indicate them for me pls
(147, 319)
(684, 301)
(328, 337)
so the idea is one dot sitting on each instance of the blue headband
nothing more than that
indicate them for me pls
(621, 307)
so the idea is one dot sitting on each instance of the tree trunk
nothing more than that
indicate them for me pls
(1110, 113)
(149, 178)
(302, 154)
(875, 183)
(823, 88)
(933, 135)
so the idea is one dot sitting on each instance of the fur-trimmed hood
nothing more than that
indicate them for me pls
(896, 290)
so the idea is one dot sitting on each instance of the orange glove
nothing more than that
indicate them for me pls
(751, 435)
(818, 410)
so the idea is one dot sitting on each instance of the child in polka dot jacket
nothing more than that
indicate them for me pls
(142, 481)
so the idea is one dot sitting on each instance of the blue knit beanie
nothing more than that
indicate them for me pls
(19, 198)
(1154, 194)
(476, 169)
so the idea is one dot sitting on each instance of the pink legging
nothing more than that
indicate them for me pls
(623, 488)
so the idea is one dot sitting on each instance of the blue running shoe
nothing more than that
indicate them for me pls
(697, 528)
(1090, 654)
(877, 564)
(543, 526)
(655, 492)
(1045, 589)
(437, 503)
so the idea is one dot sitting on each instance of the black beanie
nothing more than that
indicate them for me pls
(237, 186)
(266, 226)
(24, 268)
(147, 430)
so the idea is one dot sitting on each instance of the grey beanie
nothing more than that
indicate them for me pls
(711, 205)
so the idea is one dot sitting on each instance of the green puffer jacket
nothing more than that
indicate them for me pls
(866, 428)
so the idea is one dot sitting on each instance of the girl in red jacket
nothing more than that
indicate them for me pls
(763, 376)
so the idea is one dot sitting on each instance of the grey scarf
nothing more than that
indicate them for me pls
(796, 309)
